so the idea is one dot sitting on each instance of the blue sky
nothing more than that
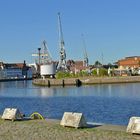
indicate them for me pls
(110, 27)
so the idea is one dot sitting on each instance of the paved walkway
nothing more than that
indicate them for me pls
(51, 130)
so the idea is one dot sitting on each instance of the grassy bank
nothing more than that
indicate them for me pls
(51, 130)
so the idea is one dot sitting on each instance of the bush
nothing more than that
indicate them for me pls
(102, 72)
(62, 74)
(94, 72)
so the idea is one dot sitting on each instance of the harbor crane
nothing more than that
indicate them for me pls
(85, 61)
(62, 66)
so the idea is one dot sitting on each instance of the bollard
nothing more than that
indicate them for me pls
(78, 82)
(49, 83)
(12, 114)
(73, 119)
(134, 125)
(63, 83)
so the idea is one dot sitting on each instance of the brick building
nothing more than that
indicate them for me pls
(76, 66)
(129, 62)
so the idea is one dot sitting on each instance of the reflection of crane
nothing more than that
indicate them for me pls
(62, 60)
(85, 62)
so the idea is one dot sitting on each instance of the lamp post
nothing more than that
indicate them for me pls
(39, 49)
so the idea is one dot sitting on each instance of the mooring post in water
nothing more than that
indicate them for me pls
(49, 83)
(63, 83)
(78, 82)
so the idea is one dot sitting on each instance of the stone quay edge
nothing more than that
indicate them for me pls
(85, 81)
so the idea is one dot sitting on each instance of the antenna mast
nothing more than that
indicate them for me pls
(62, 61)
(85, 61)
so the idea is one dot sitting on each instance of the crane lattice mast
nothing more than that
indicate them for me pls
(62, 60)
(85, 61)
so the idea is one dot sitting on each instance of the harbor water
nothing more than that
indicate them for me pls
(102, 103)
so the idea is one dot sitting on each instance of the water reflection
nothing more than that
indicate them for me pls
(47, 92)
(26, 89)
(99, 103)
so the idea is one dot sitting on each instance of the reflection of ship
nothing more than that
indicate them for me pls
(51, 92)
(47, 92)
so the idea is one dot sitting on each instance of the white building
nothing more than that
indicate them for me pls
(15, 71)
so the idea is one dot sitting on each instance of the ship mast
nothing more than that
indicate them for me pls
(46, 56)
(62, 60)
(43, 55)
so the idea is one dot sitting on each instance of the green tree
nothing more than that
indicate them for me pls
(103, 72)
(97, 64)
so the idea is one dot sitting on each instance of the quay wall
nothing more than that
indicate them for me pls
(85, 81)
(18, 79)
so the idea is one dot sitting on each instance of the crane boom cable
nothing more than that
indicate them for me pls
(85, 52)
(60, 32)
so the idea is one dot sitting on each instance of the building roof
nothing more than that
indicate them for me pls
(133, 61)
(132, 57)
(14, 65)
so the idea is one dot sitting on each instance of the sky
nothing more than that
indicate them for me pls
(110, 28)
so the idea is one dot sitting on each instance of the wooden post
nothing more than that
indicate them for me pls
(63, 83)
(49, 84)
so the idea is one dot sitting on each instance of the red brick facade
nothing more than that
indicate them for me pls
(76, 65)
(131, 62)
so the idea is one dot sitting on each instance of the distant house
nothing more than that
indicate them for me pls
(129, 62)
(15, 70)
(76, 66)
(128, 66)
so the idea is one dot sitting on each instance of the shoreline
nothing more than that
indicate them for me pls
(18, 79)
(51, 130)
(94, 125)
(85, 81)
